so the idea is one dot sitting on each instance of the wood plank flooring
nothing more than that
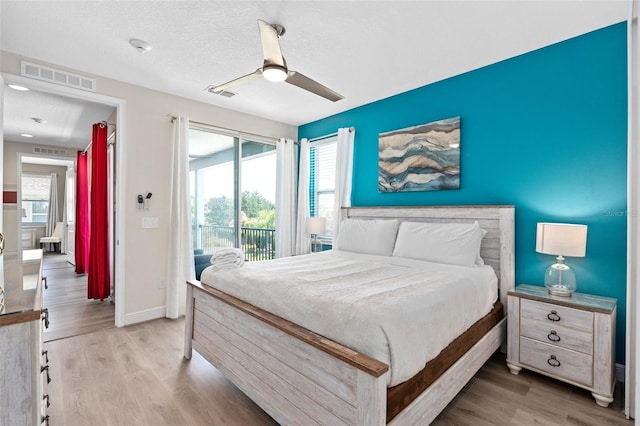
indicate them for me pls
(137, 376)
(70, 312)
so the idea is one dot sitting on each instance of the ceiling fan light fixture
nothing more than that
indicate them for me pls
(274, 73)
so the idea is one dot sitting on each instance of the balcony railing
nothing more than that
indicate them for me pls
(256, 243)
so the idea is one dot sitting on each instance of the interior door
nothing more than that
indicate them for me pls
(70, 207)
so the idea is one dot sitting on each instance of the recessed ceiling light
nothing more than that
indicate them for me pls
(140, 45)
(18, 87)
(39, 120)
(26, 135)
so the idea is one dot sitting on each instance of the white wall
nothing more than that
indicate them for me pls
(147, 151)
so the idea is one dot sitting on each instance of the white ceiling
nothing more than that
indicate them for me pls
(68, 121)
(364, 50)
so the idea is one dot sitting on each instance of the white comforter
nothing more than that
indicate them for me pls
(399, 311)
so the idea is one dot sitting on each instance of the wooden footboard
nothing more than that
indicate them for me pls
(299, 377)
(296, 376)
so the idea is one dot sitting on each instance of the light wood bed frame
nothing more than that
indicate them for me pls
(300, 377)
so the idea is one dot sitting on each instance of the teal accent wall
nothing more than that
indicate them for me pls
(545, 131)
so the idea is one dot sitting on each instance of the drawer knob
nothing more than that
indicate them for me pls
(553, 336)
(553, 316)
(553, 361)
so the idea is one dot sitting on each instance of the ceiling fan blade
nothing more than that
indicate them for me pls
(244, 79)
(312, 86)
(270, 44)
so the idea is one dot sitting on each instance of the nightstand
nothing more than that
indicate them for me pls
(567, 338)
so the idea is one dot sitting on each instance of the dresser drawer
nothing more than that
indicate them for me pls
(572, 319)
(556, 361)
(557, 335)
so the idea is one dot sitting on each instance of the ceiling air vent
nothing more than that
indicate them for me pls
(52, 75)
(225, 93)
(49, 151)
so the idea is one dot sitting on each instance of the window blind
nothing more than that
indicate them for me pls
(322, 158)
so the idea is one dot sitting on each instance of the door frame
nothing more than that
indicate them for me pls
(120, 105)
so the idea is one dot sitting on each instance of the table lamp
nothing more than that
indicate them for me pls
(316, 226)
(561, 239)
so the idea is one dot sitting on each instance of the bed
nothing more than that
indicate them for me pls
(299, 376)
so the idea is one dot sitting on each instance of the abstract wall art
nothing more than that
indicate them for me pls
(420, 158)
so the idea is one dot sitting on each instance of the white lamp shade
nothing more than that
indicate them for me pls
(316, 225)
(561, 239)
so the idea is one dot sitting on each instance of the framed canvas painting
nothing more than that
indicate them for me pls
(420, 158)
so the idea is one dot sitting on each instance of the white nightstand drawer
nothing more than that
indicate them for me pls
(574, 319)
(556, 361)
(558, 335)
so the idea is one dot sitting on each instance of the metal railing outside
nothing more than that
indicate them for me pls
(256, 243)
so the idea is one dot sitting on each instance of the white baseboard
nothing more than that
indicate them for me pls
(620, 373)
(146, 315)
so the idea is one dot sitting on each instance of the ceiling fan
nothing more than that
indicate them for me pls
(275, 68)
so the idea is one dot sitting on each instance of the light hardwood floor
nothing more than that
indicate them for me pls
(137, 376)
(70, 312)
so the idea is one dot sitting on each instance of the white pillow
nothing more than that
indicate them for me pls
(451, 243)
(367, 236)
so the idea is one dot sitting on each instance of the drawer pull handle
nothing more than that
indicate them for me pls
(43, 369)
(45, 420)
(45, 354)
(553, 316)
(553, 336)
(552, 361)
(45, 317)
(44, 280)
(46, 398)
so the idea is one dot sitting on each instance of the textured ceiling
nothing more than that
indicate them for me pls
(364, 50)
(68, 121)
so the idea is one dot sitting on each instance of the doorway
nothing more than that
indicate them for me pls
(117, 158)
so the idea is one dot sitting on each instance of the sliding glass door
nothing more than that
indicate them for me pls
(232, 192)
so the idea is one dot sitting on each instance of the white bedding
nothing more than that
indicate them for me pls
(399, 311)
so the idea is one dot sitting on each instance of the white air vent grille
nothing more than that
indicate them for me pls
(225, 93)
(49, 151)
(53, 75)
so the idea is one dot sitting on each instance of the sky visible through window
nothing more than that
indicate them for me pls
(258, 174)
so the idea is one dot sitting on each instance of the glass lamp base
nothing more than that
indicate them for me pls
(316, 246)
(560, 280)
(559, 291)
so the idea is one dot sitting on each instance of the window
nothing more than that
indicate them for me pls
(233, 191)
(35, 198)
(322, 176)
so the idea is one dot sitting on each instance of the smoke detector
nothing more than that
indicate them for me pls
(140, 45)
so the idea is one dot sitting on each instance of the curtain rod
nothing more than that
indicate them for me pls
(108, 138)
(223, 129)
(330, 135)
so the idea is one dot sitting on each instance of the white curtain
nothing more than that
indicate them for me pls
(632, 356)
(180, 261)
(344, 171)
(52, 214)
(285, 197)
(303, 243)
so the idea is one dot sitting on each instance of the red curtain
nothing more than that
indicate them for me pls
(82, 214)
(98, 279)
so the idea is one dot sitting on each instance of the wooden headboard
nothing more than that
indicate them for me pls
(497, 248)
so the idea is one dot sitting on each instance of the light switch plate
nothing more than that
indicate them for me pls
(149, 222)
